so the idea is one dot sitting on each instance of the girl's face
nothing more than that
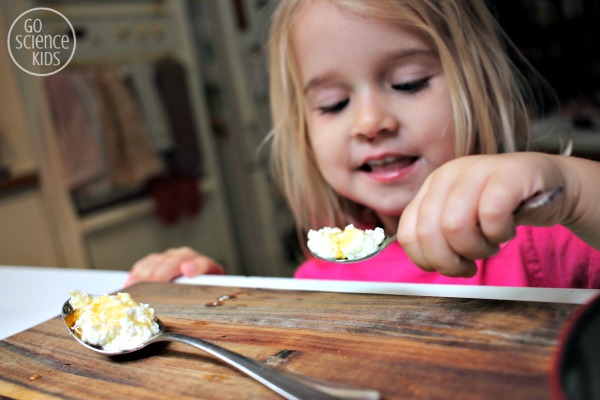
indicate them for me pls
(377, 106)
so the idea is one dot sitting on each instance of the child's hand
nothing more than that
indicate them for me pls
(171, 264)
(465, 208)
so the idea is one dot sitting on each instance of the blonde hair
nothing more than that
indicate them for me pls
(489, 106)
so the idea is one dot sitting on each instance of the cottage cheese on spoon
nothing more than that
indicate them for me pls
(351, 243)
(112, 322)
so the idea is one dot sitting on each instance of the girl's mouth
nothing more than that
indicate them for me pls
(387, 164)
(389, 169)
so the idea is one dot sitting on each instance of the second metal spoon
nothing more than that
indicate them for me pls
(287, 384)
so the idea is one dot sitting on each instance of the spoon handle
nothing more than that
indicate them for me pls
(539, 200)
(288, 385)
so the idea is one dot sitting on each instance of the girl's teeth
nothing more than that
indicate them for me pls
(379, 163)
(388, 163)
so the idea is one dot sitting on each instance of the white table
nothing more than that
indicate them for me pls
(32, 295)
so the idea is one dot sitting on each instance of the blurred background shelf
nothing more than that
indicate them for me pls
(241, 221)
(16, 182)
(125, 212)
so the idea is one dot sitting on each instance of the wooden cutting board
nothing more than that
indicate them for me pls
(407, 347)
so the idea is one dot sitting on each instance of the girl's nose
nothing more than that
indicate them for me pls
(372, 118)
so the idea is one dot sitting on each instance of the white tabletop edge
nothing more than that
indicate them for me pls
(572, 296)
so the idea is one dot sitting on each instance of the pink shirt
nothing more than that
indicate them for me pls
(537, 257)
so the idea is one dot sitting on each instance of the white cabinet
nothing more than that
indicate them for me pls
(25, 234)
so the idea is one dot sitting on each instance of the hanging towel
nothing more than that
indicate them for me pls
(179, 192)
(152, 106)
(86, 86)
(79, 149)
(88, 92)
(173, 86)
(132, 157)
(175, 196)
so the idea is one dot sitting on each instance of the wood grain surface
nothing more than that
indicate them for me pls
(407, 347)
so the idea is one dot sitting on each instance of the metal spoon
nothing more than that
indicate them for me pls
(537, 200)
(287, 384)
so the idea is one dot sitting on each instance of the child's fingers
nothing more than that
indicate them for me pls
(439, 255)
(459, 222)
(161, 267)
(407, 230)
(498, 201)
(421, 236)
(168, 268)
(431, 252)
(201, 265)
(418, 231)
(143, 269)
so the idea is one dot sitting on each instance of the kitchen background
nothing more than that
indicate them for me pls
(172, 101)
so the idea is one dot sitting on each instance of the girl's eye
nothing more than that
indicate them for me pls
(412, 87)
(334, 108)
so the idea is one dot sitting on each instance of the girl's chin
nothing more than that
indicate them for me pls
(390, 214)
(391, 208)
(385, 200)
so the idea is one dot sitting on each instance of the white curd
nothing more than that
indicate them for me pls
(350, 243)
(112, 322)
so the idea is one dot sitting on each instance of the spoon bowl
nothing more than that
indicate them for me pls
(536, 201)
(287, 384)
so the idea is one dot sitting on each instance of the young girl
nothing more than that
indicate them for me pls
(409, 115)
